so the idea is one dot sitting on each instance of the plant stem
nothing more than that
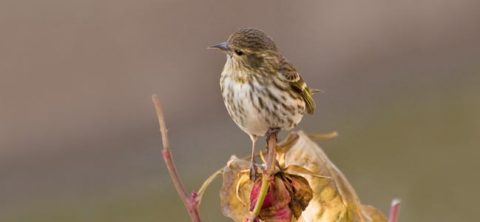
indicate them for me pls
(394, 211)
(190, 202)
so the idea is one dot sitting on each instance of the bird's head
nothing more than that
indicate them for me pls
(248, 47)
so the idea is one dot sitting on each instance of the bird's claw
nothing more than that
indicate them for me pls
(271, 131)
(253, 172)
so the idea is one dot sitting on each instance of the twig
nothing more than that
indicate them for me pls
(190, 201)
(394, 211)
(266, 176)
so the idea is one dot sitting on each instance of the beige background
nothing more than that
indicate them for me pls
(79, 141)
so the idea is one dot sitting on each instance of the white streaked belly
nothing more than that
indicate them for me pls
(246, 112)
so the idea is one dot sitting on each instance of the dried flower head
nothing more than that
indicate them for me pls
(306, 187)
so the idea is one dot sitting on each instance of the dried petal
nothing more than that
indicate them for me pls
(276, 204)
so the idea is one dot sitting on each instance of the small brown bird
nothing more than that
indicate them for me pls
(261, 90)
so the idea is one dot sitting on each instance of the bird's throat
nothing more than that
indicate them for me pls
(236, 71)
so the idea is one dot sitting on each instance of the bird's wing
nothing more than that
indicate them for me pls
(297, 83)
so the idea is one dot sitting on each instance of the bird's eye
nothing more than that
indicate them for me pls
(238, 52)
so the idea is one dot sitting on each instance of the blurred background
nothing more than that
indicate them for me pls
(79, 140)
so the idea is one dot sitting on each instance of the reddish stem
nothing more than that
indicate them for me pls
(394, 211)
(189, 201)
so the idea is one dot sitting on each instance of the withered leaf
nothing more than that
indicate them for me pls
(300, 192)
(333, 199)
(235, 202)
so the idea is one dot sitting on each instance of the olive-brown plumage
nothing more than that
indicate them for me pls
(261, 90)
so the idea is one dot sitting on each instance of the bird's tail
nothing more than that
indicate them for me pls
(314, 91)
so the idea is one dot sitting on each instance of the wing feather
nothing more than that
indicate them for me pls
(297, 83)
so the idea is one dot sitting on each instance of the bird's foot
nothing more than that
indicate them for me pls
(271, 131)
(253, 172)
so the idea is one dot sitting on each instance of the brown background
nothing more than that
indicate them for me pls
(79, 141)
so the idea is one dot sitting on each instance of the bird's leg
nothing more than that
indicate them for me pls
(271, 132)
(253, 170)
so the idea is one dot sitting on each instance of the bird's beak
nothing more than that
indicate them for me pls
(222, 46)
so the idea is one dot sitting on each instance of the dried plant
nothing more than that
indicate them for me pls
(333, 199)
(298, 182)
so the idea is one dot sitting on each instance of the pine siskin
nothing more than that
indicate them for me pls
(261, 90)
